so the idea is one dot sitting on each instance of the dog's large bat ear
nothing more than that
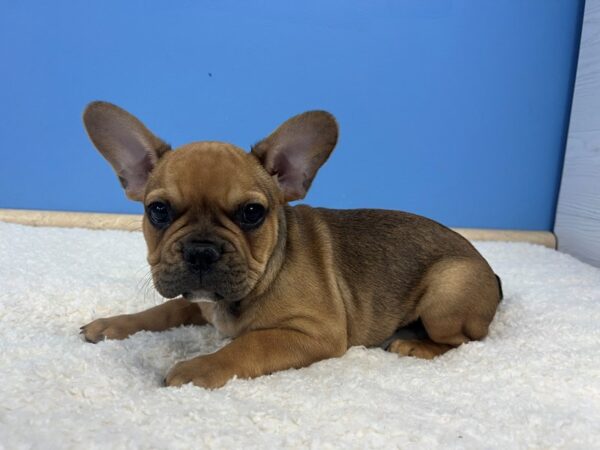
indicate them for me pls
(130, 148)
(296, 150)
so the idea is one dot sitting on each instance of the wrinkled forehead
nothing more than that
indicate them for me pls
(212, 173)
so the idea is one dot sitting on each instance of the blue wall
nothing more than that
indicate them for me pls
(452, 109)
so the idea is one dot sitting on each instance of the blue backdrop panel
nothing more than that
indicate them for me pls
(452, 109)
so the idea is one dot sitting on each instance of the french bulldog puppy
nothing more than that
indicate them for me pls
(290, 285)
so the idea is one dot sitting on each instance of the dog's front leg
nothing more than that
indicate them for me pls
(254, 354)
(167, 315)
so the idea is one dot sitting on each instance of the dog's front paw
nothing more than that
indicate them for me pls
(200, 371)
(118, 327)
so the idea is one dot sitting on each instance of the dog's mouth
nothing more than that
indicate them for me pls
(202, 296)
(222, 284)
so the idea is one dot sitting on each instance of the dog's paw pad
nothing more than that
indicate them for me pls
(402, 347)
(418, 348)
(118, 327)
(93, 332)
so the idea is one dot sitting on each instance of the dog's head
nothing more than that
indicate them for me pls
(213, 213)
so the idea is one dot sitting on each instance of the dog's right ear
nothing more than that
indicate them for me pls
(130, 148)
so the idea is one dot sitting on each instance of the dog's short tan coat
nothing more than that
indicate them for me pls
(304, 284)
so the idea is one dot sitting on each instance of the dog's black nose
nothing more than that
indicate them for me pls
(200, 256)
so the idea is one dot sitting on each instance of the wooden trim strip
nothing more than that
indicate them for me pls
(545, 238)
(65, 219)
(133, 222)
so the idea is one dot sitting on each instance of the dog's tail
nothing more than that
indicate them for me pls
(499, 286)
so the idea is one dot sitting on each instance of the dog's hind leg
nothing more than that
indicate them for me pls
(459, 302)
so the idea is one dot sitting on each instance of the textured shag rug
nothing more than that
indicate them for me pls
(534, 382)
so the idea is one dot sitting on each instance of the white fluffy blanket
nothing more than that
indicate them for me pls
(534, 382)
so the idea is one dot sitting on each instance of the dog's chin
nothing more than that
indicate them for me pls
(202, 296)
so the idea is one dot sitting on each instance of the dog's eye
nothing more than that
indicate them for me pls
(250, 215)
(159, 214)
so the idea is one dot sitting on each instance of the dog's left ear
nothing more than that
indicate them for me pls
(296, 150)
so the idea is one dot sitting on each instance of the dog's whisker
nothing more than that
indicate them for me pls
(143, 278)
(144, 285)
